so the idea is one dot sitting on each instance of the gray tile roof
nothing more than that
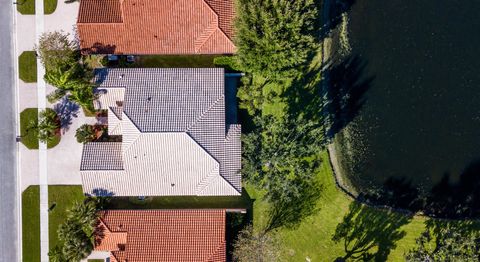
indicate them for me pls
(179, 100)
(102, 156)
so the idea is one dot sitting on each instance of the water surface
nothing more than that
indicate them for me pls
(421, 118)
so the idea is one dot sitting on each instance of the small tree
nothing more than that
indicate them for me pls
(253, 246)
(47, 125)
(85, 134)
(57, 51)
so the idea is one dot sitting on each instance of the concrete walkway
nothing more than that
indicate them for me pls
(42, 150)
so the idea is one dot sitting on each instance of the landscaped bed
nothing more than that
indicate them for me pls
(27, 67)
(178, 61)
(28, 136)
(27, 7)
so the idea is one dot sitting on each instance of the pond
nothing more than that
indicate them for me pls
(421, 117)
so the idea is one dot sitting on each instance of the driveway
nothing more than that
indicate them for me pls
(8, 187)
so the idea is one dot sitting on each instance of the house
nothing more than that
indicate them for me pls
(162, 235)
(177, 138)
(146, 27)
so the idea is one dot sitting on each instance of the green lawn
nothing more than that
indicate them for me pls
(389, 234)
(31, 224)
(60, 199)
(27, 67)
(29, 139)
(27, 7)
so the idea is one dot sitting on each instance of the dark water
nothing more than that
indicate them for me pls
(421, 118)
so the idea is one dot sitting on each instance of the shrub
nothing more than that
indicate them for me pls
(76, 234)
(85, 134)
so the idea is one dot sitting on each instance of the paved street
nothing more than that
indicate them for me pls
(8, 212)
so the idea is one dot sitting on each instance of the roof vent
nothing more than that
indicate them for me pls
(149, 98)
(172, 184)
(121, 76)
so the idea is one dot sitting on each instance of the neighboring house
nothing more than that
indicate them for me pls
(141, 27)
(176, 136)
(162, 235)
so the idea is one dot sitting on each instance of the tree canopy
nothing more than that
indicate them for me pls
(76, 234)
(276, 37)
(254, 246)
(60, 56)
(278, 155)
(56, 50)
(446, 242)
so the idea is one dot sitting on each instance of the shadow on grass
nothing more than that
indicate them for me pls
(369, 234)
(177, 202)
(290, 213)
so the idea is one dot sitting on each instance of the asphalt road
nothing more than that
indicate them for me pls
(8, 217)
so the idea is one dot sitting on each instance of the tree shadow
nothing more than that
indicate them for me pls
(332, 14)
(446, 199)
(66, 111)
(333, 96)
(369, 234)
(346, 95)
(456, 199)
(398, 193)
(289, 213)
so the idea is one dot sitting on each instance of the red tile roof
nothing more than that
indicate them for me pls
(156, 26)
(162, 235)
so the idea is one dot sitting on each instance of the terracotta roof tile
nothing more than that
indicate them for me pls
(156, 26)
(100, 11)
(162, 235)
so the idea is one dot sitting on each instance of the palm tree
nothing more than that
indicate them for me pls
(56, 255)
(46, 126)
(83, 95)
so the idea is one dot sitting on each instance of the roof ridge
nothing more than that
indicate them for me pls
(200, 41)
(218, 18)
(203, 184)
(123, 133)
(218, 251)
(204, 113)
